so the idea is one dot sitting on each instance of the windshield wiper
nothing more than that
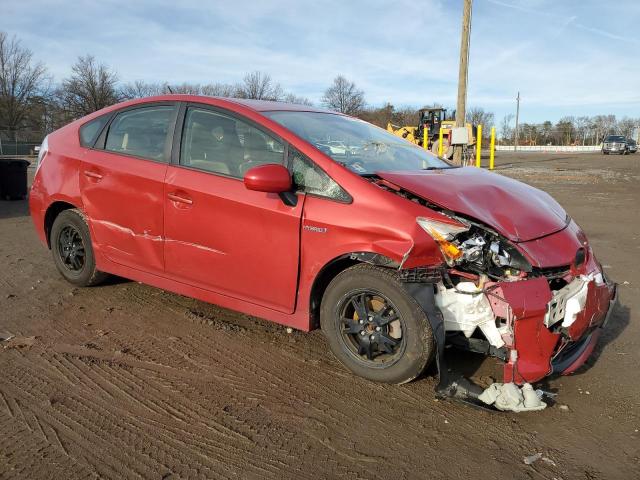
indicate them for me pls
(439, 168)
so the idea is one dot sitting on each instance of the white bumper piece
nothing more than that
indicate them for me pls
(508, 397)
(466, 308)
(567, 302)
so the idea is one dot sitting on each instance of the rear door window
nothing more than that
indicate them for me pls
(141, 132)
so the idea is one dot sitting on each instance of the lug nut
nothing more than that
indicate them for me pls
(371, 337)
(363, 333)
(361, 322)
(378, 329)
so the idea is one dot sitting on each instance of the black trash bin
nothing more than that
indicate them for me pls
(13, 178)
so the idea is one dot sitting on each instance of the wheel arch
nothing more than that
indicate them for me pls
(51, 214)
(329, 271)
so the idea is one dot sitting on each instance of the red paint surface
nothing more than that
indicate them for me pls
(209, 237)
(268, 178)
(515, 209)
(586, 353)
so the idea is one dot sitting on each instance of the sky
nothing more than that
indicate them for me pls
(565, 57)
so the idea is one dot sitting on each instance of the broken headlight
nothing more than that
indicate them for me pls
(444, 234)
(476, 249)
(486, 252)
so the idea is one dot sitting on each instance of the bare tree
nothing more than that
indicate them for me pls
(184, 88)
(219, 90)
(90, 87)
(140, 89)
(506, 130)
(344, 97)
(626, 126)
(21, 81)
(293, 98)
(479, 116)
(259, 86)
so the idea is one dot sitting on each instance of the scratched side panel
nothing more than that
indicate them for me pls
(125, 208)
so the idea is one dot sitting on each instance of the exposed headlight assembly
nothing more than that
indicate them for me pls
(443, 233)
(478, 249)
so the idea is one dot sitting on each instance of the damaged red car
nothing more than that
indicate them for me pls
(392, 251)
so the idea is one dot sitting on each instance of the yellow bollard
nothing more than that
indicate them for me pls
(492, 147)
(425, 144)
(479, 147)
(440, 143)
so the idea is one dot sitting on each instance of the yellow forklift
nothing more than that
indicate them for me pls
(431, 120)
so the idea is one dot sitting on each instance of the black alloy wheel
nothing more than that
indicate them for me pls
(374, 326)
(71, 249)
(371, 328)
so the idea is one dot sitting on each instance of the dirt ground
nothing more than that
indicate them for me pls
(128, 381)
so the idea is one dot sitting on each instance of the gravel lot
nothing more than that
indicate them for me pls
(128, 381)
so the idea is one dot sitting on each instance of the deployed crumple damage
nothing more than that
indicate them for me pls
(465, 309)
(522, 283)
(515, 209)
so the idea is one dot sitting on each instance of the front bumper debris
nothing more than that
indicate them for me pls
(507, 397)
(573, 356)
(552, 333)
(541, 333)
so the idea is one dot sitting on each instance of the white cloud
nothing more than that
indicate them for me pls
(560, 55)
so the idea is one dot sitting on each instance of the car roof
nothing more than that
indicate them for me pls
(269, 105)
(256, 105)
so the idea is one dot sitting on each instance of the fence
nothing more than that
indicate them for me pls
(20, 142)
(550, 148)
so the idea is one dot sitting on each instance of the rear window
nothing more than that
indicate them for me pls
(89, 131)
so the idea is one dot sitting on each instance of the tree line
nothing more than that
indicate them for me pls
(569, 130)
(33, 104)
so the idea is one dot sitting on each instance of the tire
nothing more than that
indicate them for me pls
(69, 238)
(415, 347)
(447, 149)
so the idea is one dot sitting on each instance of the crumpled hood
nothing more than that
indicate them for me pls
(514, 209)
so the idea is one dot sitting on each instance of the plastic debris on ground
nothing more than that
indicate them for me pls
(509, 397)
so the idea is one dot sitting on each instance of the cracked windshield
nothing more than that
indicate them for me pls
(358, 145)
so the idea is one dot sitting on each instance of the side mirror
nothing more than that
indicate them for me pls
(269, 178)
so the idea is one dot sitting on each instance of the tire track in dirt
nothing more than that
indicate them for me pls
(192, 390)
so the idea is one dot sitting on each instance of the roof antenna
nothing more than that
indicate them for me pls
(169, 88)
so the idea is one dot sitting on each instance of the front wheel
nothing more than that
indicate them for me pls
(374, 327)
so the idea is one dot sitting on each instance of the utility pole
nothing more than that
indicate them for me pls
(463, 75)
(515, 141)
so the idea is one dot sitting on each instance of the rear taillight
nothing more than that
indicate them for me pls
(44, 148)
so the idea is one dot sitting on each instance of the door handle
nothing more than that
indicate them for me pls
(91, 174)
(177, 198)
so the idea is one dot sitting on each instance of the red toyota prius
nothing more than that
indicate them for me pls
(389, 249)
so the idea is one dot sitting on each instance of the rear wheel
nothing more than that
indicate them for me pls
(374, 327)
(72, 251)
